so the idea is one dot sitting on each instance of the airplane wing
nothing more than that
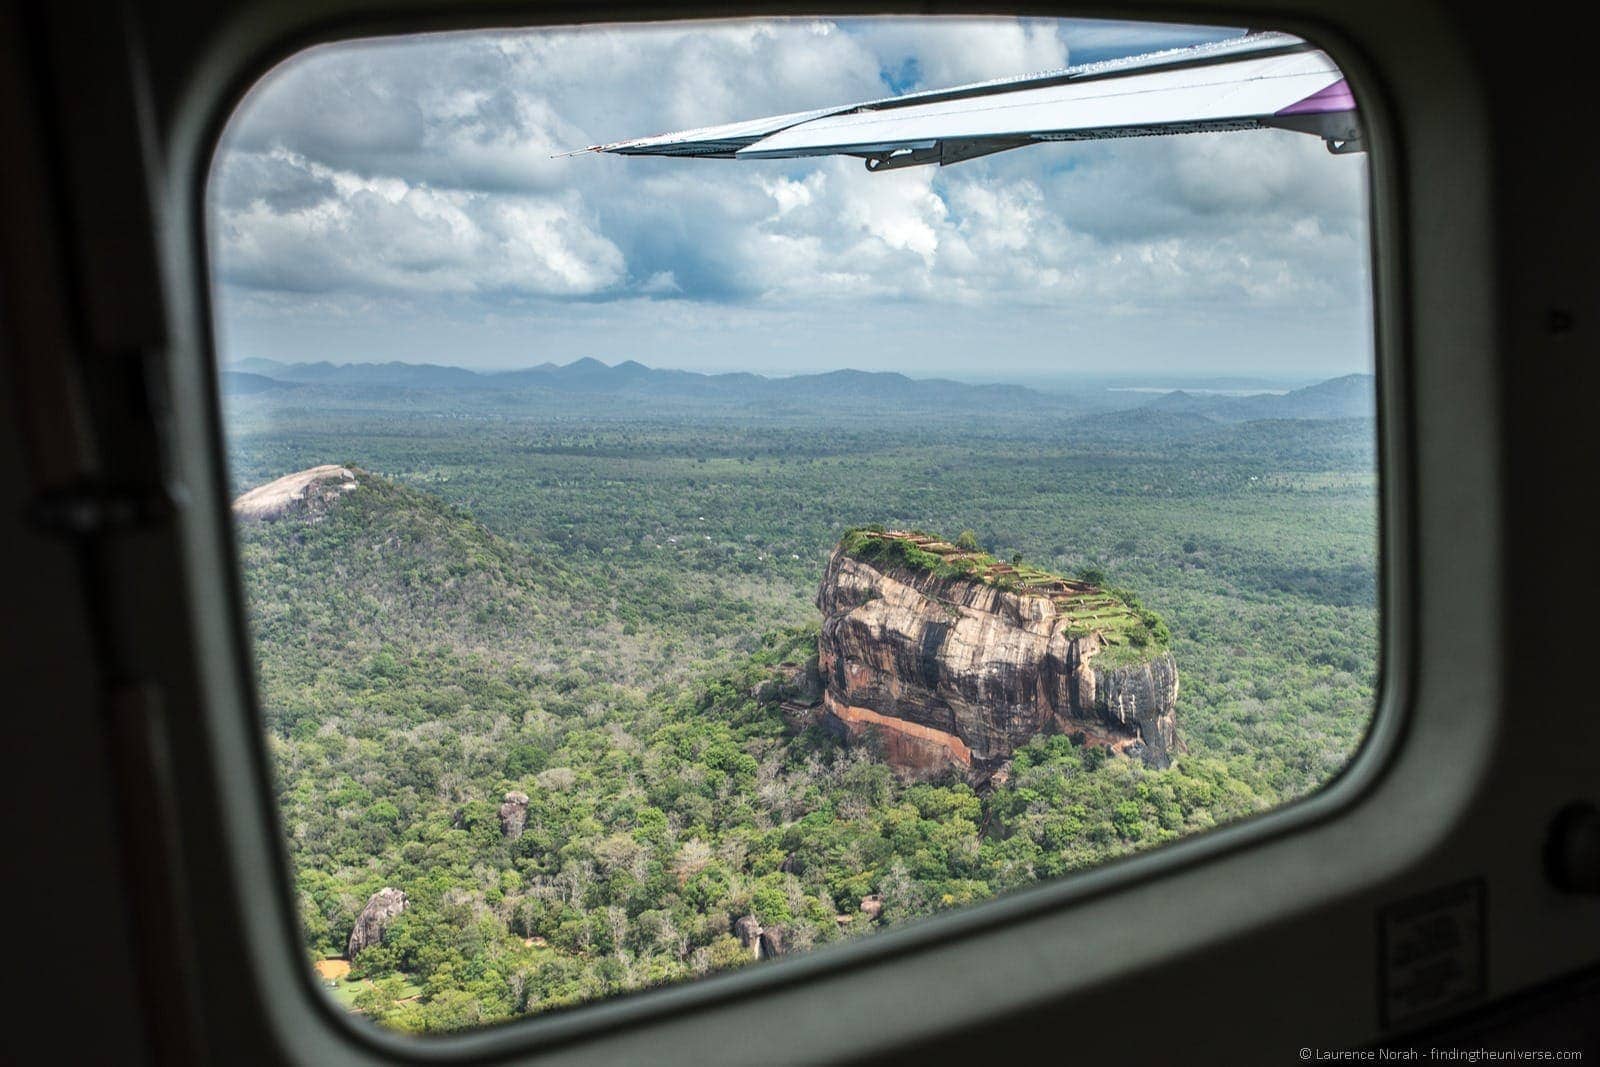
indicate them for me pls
(1257, 81)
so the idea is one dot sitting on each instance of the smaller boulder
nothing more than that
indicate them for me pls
(1001, 775)
(797, 683)
(382, 908)
(748, 931)
(513, 815)
(774, 942)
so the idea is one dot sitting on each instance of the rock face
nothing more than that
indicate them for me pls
(795, 688)
(951, 670)
(308, 491)
(762, 942)
(748, 930)
(381, 909)
(513, 815)
(774, 942)
(793, 682)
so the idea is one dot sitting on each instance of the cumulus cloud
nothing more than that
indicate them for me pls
(967, 50)
(427, 169)
(291, 223)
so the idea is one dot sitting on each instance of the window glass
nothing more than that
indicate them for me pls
(712, 548)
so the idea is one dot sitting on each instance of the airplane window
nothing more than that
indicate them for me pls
(707, 492)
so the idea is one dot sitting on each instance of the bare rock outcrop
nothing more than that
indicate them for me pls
(513, 815)
(307, 492)
(946, 666)
(382, 908)
(774, 942)
(762, 942)
(797, 682)
(748, 930)
(796, 688)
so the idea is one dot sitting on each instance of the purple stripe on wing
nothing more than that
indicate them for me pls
(1335, 97)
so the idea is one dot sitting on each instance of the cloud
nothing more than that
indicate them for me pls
(1092, 40)
(285, 222)
(421, 169)
(955, 51)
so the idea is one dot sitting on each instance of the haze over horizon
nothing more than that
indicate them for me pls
(398, 201)
(1041, 375)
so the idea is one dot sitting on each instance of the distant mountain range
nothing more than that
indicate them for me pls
(244, 383)
(1347, 397)
(594, 377)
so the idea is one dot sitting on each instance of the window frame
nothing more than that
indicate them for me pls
(252, 44)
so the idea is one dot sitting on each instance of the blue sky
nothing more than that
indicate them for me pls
(402, 199)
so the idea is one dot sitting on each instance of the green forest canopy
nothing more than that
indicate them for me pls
(582, 604)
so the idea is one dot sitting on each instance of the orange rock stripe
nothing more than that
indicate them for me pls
(852, 716)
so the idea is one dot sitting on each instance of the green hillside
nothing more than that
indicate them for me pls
(416, 667)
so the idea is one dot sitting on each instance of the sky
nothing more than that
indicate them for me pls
(404, 199)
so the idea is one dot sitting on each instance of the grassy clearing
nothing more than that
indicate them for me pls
(345, 992)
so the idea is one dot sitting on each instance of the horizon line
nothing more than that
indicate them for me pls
(1011, 378)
